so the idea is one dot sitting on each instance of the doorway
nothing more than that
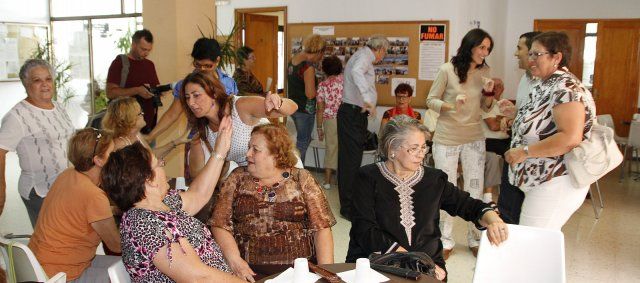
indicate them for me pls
(606, 57)
(264, 31)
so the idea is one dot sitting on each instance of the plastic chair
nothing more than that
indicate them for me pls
(530, 254)
(633, 143)
(118, 273)
(26, 266)
(61, 277)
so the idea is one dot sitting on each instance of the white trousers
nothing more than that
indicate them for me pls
(472, 156)
(551, 204)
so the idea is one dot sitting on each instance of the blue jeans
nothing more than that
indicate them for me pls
(304, 126)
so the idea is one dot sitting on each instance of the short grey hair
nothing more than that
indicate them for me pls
(29, 65)
(395, 132)
(378, 42)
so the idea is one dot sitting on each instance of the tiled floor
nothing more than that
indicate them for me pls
(604, 250)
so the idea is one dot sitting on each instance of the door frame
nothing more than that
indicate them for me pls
(239, 15)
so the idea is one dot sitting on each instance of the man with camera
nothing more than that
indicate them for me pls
(133, 74)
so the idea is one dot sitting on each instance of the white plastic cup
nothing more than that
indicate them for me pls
(363, 271)
(181, 184)
(300, 270)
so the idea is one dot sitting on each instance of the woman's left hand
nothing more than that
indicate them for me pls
(272, 101)
(515, 155)
(497, 230)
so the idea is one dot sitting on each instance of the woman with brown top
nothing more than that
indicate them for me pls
(247, 82)
(270, 213)
(457, 94)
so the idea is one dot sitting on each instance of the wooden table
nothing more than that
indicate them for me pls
(340, 267)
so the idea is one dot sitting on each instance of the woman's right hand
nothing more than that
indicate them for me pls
(440, 273)
(223, 142)
(241, 269)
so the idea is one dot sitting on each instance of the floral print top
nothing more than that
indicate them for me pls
(143, 232)
(330, 92)
(534, 122)
(272, 225)
(247, 82)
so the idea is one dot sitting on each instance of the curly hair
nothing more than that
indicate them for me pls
(279, 144)
(403, 88)
(85, 144)
(215, 90)
(314, 44)
(395, 132)
(121, 116)
(462, 61)
(125, 173)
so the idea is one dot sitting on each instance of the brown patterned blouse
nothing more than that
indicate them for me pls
(273, 230)
(247, 83)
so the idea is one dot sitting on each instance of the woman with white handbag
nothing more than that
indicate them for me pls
(558, 116)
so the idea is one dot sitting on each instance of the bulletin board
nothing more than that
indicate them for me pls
(399, 32)
(18, 42)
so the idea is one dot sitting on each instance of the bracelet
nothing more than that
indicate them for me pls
(526, 150)
(217, 156)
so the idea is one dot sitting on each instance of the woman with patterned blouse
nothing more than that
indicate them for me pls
(557, 116)
(403, 93)
(399, 200)
(247, 82)
(328, 101)
(161, 240)
(270, 213)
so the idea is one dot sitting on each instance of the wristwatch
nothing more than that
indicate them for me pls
(526, 150)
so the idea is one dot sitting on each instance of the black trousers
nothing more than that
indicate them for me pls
(510, 199)
(352, 128)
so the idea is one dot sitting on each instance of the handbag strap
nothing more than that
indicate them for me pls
(602, 135)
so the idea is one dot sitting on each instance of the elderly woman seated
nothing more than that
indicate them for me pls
(403, 93)
(270, 213)
(76, 214)
(161, 241)
(398, 200)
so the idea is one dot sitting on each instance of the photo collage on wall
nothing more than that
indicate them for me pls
(395, 62)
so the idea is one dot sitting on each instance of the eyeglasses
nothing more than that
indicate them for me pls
(95, 146)
(418, 150)
(535, 55)
(203, 66)
(141, 113)
(402, 97)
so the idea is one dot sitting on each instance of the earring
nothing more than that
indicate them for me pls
(393, 155)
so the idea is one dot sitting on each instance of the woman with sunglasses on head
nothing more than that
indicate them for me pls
(557, 116)
(76, 214)
(124, 119)
(399, 200)
(206, 104)
(462, 90)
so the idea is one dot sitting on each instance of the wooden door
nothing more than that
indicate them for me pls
(615, 84)
(576, 30)
(261, 34)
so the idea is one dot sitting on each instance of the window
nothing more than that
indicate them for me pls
(589, 55)
(86, 36)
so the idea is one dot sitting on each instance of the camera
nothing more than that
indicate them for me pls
(157, 91)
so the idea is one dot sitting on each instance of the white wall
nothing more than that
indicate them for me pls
(459, 13)
(520, 16)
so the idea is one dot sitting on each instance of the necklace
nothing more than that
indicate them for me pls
(269, 191)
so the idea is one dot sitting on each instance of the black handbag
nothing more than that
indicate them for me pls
(414, 261)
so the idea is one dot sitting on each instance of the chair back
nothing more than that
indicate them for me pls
(530, 254)
(25, 265)
(118, 273)
(606, 120)
(61, 277)
(636, 116)
(634, 134)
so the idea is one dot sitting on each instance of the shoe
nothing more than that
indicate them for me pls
(326, 186)
(474, 251)
(446, 253)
